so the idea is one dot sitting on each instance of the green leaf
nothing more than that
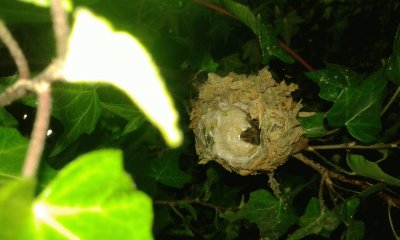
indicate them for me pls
(203, 61)
(315, 222)
(166, 170)
(78, 108)
(127, 111)
(333, 80)
(12, 11)
(358, 108)
(16, 210)
(98, 53)
(244, 14)
(348, 210)
(93, 198)
(369, 169)
(356, 231)
(393, 67)
(286, 26)
(313, 126)
(6, 119)
(272, 215)
(270, 46)
(13, 148)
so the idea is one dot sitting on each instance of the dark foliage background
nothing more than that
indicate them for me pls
(188, 39)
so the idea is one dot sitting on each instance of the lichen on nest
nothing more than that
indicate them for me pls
(246, 123)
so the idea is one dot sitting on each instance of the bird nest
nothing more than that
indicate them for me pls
(246, 123)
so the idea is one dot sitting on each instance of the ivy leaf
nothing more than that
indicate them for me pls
(93, 198)
(16, 210)
(127, 111)
(12, 11)
(244, 14)
(272, 216)
(369, 169)
(393, 67)
(6, 119)
(333, 80)
(358, 108)
(98, 53)
(13, 147)
(348, 210)
(313, 126)
(316, 222)
(78, 108)
(356, 231)
(270, 46)
(287, 25)
(166, 170)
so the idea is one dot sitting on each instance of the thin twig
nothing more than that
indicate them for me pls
(60, 27)
(353, 145)
(391, 221)
(16, 91)
(324, 171)
(193, 201)
(39, 133)
(15, 51)
(394, 96)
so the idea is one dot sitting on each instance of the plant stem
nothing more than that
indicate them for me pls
(324, 172)
(60, 27)
(39, 133)
(391, 100)
(15, 51)
(353, 145)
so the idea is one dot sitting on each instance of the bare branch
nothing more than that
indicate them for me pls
(17, 91)
(330, 174)
(60, 27)
(15, 51)
(39, 133)
(353, 145)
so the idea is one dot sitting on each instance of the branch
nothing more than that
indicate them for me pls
(39, 133)
(60, 27)
(353, 145)
(330, 174)
(15, 51)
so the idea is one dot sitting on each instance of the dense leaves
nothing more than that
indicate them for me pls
(94, 197)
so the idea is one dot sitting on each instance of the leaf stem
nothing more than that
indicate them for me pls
(39, 133)
(15, 51)
(394, 96)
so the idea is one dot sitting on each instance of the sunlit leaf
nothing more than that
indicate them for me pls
(16, 210)
(13, 148)
(99, 53)
(78, 108)
(272, 216)
(366, 168)
(93, 198)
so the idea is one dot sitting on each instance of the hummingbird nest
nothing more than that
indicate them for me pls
(246, 123)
